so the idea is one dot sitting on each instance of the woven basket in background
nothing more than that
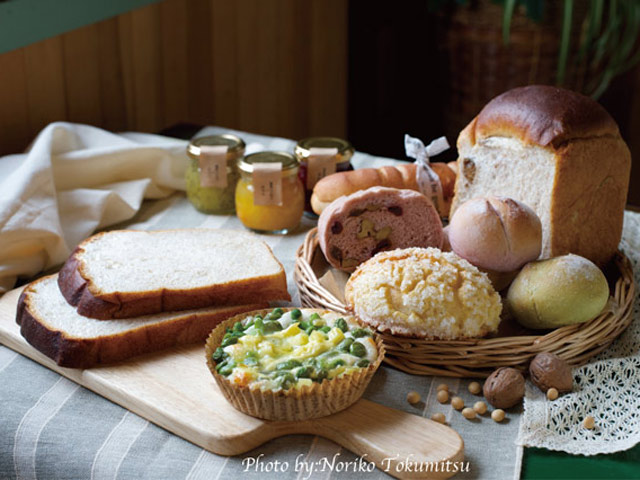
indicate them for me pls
(480, 66)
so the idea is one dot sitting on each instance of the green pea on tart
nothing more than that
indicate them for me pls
(292, 364)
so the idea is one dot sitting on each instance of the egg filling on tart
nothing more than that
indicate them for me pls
(285, 350)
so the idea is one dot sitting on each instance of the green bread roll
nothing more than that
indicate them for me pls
(557, 292)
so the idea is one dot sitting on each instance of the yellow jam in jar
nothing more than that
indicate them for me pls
(269, 194)
(212, 174)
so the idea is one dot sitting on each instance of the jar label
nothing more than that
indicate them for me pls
(267, 183)
(322, 162)
(213, 166)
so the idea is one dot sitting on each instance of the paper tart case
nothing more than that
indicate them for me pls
(317, 400)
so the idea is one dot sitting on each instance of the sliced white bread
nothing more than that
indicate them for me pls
(127, 273)
(56, 329)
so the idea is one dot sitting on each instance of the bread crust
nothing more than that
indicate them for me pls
(542, 115)
(345, 183)
(77, 288)
(74, 352)
(589, 197)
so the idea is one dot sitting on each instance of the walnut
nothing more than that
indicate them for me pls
(504, 388)
(550, 371)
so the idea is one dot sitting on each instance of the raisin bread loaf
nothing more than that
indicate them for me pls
(558, 152)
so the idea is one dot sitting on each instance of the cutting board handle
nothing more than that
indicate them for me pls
(400, 444)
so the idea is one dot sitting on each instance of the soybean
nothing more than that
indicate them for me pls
(286, 381)
(357, 349)
(288, 365)
(271, 327)
(341, 324)
(303, 372)
(360, 332)
(229, 341)
(335, 363)
(304, 325)
(344, 345)
(218, 354)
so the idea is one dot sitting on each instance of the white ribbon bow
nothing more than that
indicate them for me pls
(428, 180)
(416, 149)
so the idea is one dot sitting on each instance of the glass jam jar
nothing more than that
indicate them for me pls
(269, 194)
(213, 172)
(319, 157)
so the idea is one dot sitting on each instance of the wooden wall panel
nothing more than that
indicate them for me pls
(112, 96)
(82, 89)
(199, 56)
(224, 18)
(45, 81)
(274, 67)
(14, 109)
(175, 90)
(329, 68)
(148, 76)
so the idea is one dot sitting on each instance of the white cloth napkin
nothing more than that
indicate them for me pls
(73, 180)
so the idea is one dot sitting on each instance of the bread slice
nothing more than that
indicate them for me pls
(558, 152)
(127, 273)
(56, 329)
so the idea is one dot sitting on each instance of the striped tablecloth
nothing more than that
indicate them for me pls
(51, 428)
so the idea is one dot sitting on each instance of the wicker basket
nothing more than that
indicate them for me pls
(479, 357)
(480, 66)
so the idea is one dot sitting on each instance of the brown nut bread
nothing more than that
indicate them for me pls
(560, 153)
(356, 227)
(504, 388)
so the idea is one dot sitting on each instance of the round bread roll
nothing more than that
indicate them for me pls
(496, 233)
(424, 293)
(558, 291)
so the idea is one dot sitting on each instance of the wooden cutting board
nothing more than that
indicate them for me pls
(175, 390)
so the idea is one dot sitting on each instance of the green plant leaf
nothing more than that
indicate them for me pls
(509, 7)
(565, 41)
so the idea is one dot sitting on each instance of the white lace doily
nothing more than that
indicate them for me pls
(607, 388)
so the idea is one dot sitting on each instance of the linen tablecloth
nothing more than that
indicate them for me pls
(50, 428)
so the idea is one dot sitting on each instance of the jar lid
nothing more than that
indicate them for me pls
(345, 149)
(287, 160)
(235, 144)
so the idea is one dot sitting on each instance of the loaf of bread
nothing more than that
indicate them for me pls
(558, 152)
(127, 273)
(356, 227)
(403, 177)
(56, 329)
